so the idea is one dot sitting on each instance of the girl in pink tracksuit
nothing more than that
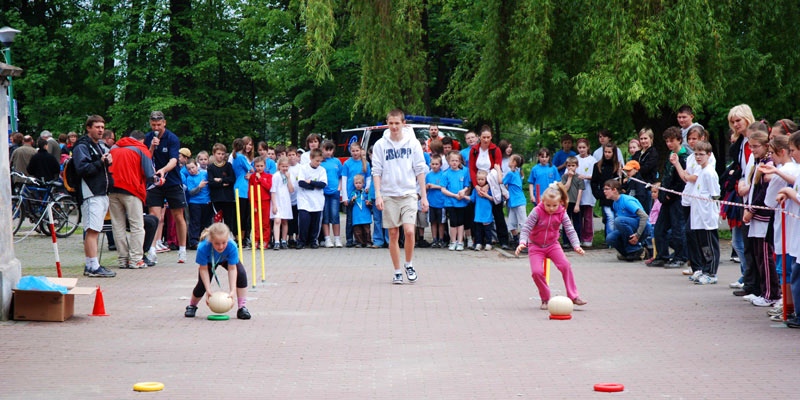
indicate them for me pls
(544, 222)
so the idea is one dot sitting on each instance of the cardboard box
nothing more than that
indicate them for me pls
(39, 305)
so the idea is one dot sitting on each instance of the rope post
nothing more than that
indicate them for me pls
(238, 224)
(253, 232)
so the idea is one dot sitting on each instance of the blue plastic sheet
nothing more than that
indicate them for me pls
(40, 283)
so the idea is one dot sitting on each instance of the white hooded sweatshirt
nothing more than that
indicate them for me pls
(398, 163)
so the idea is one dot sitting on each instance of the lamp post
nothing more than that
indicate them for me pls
(7, 38)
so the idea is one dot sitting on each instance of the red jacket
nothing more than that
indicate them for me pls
(265, 185)
(495, 157)
(127, 167)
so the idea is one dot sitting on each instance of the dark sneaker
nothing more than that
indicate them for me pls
(243, 313)
(411, 274)
(674, 264)
(190, 311)
(658, 262)
(284, 246)
(793, 323)
(148, 261)
(101, 272)
(398, 279)
(740, 293)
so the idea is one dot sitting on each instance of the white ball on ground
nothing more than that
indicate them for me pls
(220, 302)
(560, 305)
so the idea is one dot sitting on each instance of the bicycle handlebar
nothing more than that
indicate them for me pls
(37, 182)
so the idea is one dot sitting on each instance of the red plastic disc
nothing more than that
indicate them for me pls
(609, 387)
(560, 317)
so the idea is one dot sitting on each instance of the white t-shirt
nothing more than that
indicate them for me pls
(792, 223)
(775, 184)
(704, 214)
(311, 200)
(598, 154)
(694, 169)
(483, 162)
(281, 197)
(294, 172)
(586, 167)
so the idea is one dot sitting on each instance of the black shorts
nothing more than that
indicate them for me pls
(436, 215)
(457, 216)
(173, 195)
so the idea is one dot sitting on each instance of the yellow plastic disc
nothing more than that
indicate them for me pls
(148, 386)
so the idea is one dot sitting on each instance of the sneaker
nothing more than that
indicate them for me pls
(696, 275)
(674, 264)
(470, 243)
(161, 247)
(423, 244)
(793, 323)
(151, 255)
(762, 302)
(736, 259)
(478, 247)
(452, 246)
(459, 246)
(658, 262)
(411, 274)
(706, 280)
(148, 261)
(181, 256)
(749, 297)
(398, 279)
(586, 244)
(435, 244)
(740, 292)
(778, 310)
(349, 244)
(100, 272)
(488, 247)
(124, 263)
(776, 318)
(337, 242)
(190, 311)
(736, 285)
(688, 271)
(284, 245)
(620, 257)
(314, 245)
(276, 246)
(579, 302)
(139, 265)
(243, 313)
(112, 247)
(328, 242)
(505, 246)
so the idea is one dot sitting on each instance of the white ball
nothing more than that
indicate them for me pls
(220, 302)
(559, 305)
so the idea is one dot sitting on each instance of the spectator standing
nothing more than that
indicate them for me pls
(647, 157)
(52, 145)
(586, 164)
(200, 214)
(132, 170)
(91, 165)
(560, 158)
(43, 165)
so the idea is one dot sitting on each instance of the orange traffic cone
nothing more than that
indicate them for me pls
(99, 306)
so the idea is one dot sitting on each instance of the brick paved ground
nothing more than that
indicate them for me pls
(329, 324)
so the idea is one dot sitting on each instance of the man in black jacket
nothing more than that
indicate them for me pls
(91, 164)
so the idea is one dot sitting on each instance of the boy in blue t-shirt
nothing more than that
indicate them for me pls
(560, 158)
(517, 214)
(200, 211)
(483, 228)
(436, 214)
(542, 175)
(330, 214)
(362, 215)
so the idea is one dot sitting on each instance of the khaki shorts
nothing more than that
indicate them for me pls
(422, 219)
(399, 210)
(93, 212)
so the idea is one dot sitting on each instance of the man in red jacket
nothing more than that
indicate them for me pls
(132, 170)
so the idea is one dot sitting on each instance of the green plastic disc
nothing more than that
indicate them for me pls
(217, 317)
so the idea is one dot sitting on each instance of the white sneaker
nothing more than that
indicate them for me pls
(586, 244)
(478, 247)
(736, 285)
(762, 302)
(151, 255)
(161, 247)
(337, 242)
(328, 243)
(470, 243)
(452, 246)
(488, 247)
(749, 297)
(706, 280)
(398, 279)
(459, 246)
(696, 275)
(181, 256)
(688, 271)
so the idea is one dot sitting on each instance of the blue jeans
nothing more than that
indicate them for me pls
(790, 260)
(737, 242)
(330, 214)
(379, 237)
(795, 284)
(608, 219)
(624, 227)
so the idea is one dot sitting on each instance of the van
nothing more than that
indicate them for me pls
(368, 135)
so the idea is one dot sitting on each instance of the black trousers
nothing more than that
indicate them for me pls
(500, 223)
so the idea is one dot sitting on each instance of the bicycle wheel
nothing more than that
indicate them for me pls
(17, 212)
(66, 216)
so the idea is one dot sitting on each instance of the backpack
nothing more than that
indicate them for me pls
(69, 176)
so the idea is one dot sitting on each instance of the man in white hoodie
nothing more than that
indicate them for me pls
(398, 166)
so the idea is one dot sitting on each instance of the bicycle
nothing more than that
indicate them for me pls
(32, 202)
